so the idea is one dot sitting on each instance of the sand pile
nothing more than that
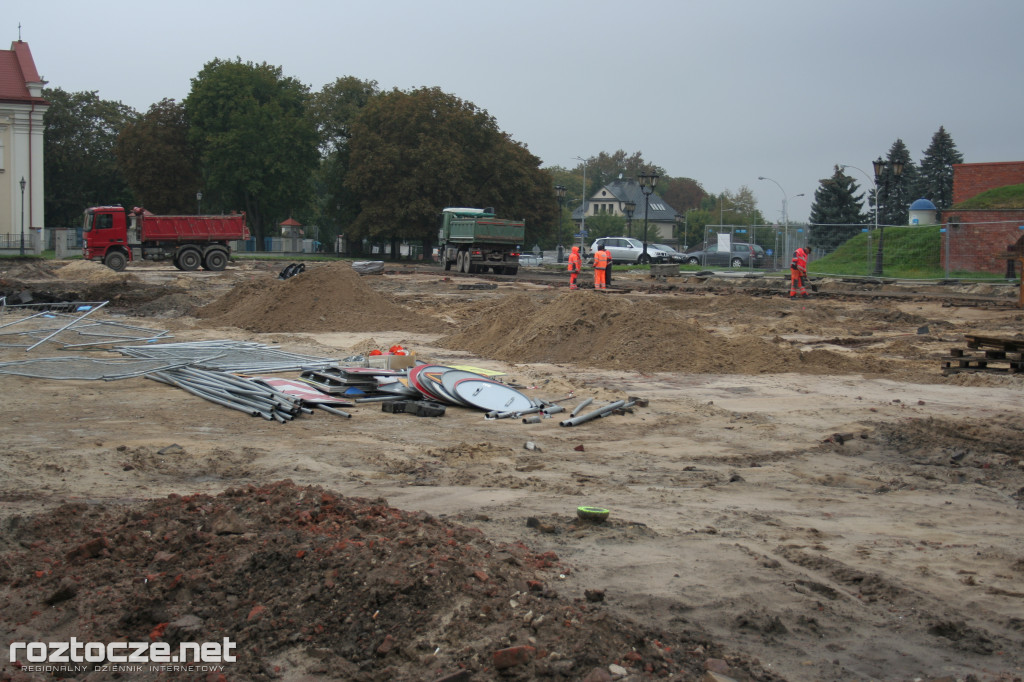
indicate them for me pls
(326, 297)
(89, 271)
(600, 330)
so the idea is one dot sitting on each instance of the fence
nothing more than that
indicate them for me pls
(962, 249)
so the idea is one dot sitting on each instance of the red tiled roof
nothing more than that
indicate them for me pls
(16, 69)
(291, 222)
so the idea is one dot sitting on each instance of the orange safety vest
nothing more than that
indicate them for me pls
(602, 259)
(574, 261)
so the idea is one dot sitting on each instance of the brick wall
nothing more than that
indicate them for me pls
(971, 179)
(978, 239)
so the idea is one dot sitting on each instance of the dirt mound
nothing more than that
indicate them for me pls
(305, 582)
(326, 297)
(618, 333)
(89, 271)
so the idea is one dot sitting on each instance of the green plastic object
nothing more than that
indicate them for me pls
(596, 514)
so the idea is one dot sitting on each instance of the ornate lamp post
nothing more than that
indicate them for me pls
(560, 195)
(897, 170)
(583, 214)
(22, 183)
(199, 203)
(648, 181)
(628, 207)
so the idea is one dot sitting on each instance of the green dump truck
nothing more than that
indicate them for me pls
(473, 240)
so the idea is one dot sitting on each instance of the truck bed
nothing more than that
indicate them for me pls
(193, 228)
(486, 230)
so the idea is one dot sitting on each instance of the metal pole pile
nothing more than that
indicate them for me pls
(236, 393)
(599, 412)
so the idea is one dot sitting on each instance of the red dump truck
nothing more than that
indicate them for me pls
(117, 237)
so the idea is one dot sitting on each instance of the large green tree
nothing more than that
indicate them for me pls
(837, 212)
(333, 109)
(257, 144)
(159, 162)
(935, 182)
(412, 153)
(81, 168)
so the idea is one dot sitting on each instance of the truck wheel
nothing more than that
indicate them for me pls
(115, 260)
(511, 271)
(189, 259)
(215, 260)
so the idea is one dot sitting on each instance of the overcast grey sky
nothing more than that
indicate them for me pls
(717, 90)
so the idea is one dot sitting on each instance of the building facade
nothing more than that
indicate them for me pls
(976, 240)
(611, 200)
(21, 150)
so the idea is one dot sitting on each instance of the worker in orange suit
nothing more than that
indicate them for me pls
(575, 266)
(798, 273)
(602, 261)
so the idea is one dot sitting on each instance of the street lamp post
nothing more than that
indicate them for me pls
(628, 207)
(22, 183)
(897, 170)
(560, 195)
(648, 181)
(583, 212)
(199, 203)
(785, 213)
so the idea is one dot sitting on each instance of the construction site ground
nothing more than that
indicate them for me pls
(804, 496)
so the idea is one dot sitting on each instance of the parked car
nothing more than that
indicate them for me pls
(743, 255)
(673, 255)
(628, 250)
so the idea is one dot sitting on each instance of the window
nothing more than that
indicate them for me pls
(104, 221)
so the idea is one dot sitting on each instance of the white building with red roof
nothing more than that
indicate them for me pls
(21, 148)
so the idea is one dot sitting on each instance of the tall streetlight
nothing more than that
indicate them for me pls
(583, 213)
(22, 183)
(199, 203)
(560, 195)
(628, 207)
(897, 170)
(648, 181)
(785, 212)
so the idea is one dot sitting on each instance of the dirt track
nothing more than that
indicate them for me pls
(743, 530)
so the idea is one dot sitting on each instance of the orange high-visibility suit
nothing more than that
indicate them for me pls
(602, 261)
(797, 273)
(575, 266)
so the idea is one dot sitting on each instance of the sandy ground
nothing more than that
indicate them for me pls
(804, 485)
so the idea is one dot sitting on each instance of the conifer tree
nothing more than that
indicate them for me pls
(935, 182)
(838, 206)
(894, 191)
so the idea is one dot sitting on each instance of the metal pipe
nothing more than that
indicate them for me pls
(579, 408)
(553, 409)
(331, 410)
(600, 412)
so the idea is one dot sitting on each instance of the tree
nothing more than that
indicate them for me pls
(160, 164)
(333, 110)
(605, 167)
(256, 142)
(414, 153)
(836, 204)
(80, 165)
(681, 193)
(936, 179)
(894, 190)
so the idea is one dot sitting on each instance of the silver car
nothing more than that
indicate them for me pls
(629, 250)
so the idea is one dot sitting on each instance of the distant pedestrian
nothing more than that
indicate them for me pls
(575, 266)
(798, 273)
(602, 261)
